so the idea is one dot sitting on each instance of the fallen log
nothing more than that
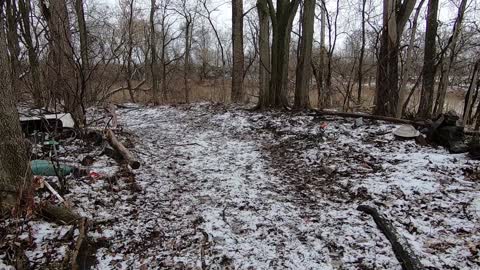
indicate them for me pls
(381, 118)
(370, 116)
(404, 254)
(59, 214)
(117, 145)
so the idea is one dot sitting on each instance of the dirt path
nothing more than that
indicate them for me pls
(230, 188)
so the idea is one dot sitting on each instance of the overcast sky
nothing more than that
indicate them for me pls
(349, 18)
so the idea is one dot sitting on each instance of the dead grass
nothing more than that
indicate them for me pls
(218, 91)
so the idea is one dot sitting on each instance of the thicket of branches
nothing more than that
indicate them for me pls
(393, 57)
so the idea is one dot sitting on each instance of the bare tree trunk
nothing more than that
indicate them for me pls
(447, 65)
(85, 63)
(395, 17)
(13, 41)
(25, 12)
(469, 96)
(237, 48)
(282, 20)
(426, 97)
(82, 27)
(321, 67)
(304, 68)
(407, 68)
(130, 51)
(264, 48)
(153, 49)
(15, 174)
(61, 63)
(186, 67)
(362, 53)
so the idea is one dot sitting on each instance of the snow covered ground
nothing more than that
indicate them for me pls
(222, 187)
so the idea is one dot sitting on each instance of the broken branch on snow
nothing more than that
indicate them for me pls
(117, 145)
(404, 254)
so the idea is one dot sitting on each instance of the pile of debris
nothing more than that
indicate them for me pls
(59, 154)
(446, 130)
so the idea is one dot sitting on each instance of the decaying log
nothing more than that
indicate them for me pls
(117, 145)
(404, 254)
(59, 214)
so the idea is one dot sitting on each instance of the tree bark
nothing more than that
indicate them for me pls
(395, 16)
(15, 173)
(130, 50)
(407, 68)
(153, 49)
(186, 67)
(304, 67)
(25, 12)
(426, 98)
(61, 63)
(237, 48)
(362, 53)
(282, 19)
(264, 48)
(323, 98)
(84, 66)
(469, 96)
(13, 41)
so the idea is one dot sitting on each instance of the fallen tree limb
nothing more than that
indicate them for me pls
(114, 91)
(382, 118)
(80, 242)
(404, 254)
(59, 214)
(117, 145)
(369, 116)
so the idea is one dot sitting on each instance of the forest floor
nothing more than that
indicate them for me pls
(224, 187)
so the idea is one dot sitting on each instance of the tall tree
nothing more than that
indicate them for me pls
(469, 97)
(282, 18)
(14, 169)
(130, 9)
(153, 58)
(395, 16)
(188, 15)
(61, 63)
(407, 67)
(208, 16)
(237, 48)
(319, 72)
(25, 9)
(362, 53)
(304, 67)
(83, 69)
(449, 60)
(429, 70)
(13, 40)
(264, 50)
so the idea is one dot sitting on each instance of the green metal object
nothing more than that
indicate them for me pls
(47, 168)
